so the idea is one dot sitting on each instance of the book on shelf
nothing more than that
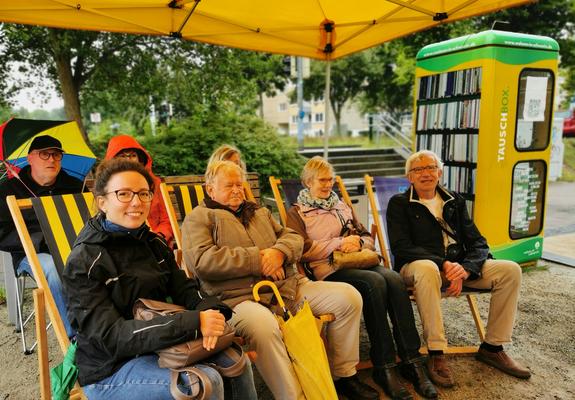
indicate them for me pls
(448, 84)
(447, 123)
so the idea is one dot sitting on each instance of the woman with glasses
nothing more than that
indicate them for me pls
(128, 148)
(116, 259)
(320, 216)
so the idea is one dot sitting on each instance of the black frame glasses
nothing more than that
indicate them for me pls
(126, 196)
(428, 168)
(45, 155)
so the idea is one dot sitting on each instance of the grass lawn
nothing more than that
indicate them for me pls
(568, 160)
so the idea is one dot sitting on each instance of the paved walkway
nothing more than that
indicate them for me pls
(559, 242)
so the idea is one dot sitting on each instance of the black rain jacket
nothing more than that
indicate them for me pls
(414, 233)
(104, 276)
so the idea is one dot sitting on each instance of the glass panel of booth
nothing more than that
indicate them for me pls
(527, 199)
(534, 104)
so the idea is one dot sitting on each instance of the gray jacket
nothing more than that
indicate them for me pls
(224, 254)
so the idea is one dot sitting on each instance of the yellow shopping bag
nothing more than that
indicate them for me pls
(305, 348)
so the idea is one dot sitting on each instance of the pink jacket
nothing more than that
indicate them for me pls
(321, 232)
(158, 218)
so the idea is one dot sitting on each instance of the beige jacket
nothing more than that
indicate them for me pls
(224, 254)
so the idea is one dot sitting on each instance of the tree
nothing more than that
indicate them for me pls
(67, 58)
(192, 140)
(348, 77)
(391, 71)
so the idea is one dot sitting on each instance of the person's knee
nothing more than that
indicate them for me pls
(49, 268)
(425, 273)
(394, 280)
(512, 272)
(262, 326)
(345, 298)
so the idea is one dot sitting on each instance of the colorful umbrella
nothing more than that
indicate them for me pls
(17, 134)
(305, 348)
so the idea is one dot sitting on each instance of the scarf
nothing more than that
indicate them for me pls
(305, 198)
(111, 227)
(244, 213)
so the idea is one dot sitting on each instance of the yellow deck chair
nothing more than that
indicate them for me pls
(181, 199)
(387, 187)
(61, 219)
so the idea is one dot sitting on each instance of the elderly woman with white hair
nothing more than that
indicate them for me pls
(231, 244)
(321, 217)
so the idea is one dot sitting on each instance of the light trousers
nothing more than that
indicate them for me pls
(502, 277)
(259, 326)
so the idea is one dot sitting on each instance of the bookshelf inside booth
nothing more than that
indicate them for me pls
(484, 103)
(448, 108)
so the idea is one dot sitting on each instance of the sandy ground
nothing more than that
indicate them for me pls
(543, 340)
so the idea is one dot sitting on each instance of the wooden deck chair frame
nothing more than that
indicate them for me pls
(77, 212)
(470, 296)
(275, 184)
(185, 197)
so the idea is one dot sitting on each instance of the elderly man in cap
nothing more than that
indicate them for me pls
(436, 244)
(42, 177)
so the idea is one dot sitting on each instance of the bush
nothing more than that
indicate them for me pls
(185, 147)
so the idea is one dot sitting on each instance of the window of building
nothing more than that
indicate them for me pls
(283, 107)
(319, 117)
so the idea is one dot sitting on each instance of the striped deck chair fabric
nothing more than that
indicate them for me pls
(385, 187)
(180, 200)
(61, 219)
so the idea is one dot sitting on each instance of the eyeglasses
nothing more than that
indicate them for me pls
(130, 154)
(420, 170)
(126, 196)
(326, 181)
(45, 155)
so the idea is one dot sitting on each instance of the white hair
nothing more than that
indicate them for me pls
(418, 156)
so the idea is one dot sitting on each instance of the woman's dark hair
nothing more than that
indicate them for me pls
(108, 168)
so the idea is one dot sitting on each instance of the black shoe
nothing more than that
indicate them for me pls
(389, 381)
(353, 389)
(416, 373)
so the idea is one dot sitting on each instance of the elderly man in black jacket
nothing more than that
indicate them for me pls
(42, 177)
(435, 243)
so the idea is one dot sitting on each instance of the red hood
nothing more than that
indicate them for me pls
(122, 142)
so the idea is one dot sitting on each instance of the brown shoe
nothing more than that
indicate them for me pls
(502, 361)
(439, 371)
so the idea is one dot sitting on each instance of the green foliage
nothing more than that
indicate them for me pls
(348, 75)
(185, 147)
(568, 173)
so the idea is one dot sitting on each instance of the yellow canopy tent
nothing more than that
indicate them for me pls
(321, 29)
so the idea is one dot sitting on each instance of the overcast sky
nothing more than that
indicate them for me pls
(34, 97)
(28, 99)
